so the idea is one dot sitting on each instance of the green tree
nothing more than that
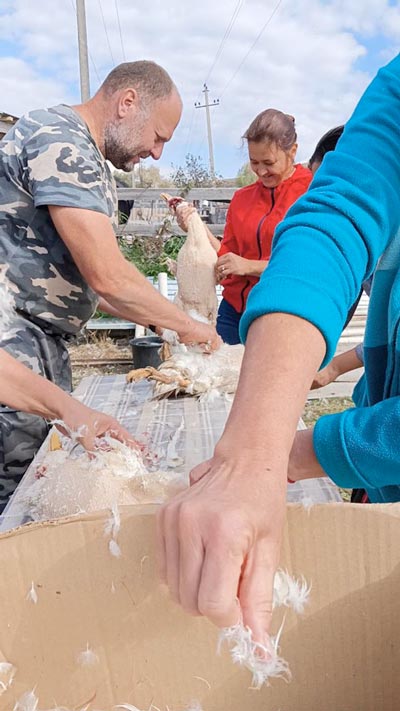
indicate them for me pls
(193, 174)
(245, 176)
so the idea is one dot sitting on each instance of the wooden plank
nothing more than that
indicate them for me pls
(145, 229)
(211, 194)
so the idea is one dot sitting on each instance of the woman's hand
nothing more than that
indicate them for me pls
(219, 541)
(325, 376)
(91, 424)
(303, 463)
(229, 264)
(183, 213)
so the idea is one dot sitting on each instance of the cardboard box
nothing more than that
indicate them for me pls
(344, 653)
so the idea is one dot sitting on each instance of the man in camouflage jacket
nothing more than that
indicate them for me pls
(57, 210)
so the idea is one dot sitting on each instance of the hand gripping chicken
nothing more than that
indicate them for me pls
(186, 370)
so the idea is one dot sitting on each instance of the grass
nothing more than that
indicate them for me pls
(314, 409)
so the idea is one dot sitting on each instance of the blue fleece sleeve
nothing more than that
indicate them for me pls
(334, 234)
(359, 448)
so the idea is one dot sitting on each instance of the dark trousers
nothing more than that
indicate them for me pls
(22, 434)
(228, 323)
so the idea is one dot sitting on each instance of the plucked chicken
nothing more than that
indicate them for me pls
(187, 370)
(195, 269)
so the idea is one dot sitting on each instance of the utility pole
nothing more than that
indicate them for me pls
(207, 106)
(83, 50)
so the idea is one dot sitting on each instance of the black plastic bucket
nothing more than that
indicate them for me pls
(145, 351)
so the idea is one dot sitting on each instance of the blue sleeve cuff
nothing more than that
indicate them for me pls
(331, 452)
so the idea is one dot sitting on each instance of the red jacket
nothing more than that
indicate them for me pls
(251, 220)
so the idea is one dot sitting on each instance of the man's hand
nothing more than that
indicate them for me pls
(201, 333)
(91, 424)
(219, 541)
(303, 463)
(231, 263)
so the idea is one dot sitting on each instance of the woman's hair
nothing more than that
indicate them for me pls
(273, 126)
(325, 144)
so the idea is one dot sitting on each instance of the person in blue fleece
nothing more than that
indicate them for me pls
(219, 541)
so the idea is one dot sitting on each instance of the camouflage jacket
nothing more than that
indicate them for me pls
(49, 158)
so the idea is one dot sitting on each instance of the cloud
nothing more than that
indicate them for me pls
(313, 60)
(22, 88)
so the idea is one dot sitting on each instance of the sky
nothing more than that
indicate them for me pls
(312, 59)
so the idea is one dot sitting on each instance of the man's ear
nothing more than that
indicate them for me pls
(127, 101)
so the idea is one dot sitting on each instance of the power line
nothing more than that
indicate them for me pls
(252, 46)
(120, 32)
(225, 37)
(106, 31)
(226, 34)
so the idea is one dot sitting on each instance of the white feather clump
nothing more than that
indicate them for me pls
(195, 373)
(290, 592)
(266, 663)
(87, 658)
(7, 673)
(70, 485)
(263, 663)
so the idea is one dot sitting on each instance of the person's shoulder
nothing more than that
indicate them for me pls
(243, 193)
(301, 176)
(302, 173)
(53, 120)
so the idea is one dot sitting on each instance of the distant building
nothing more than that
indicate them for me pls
(6, 121)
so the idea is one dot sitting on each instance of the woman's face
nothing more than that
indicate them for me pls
(270, 163)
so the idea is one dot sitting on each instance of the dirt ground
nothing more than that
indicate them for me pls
(99, 348)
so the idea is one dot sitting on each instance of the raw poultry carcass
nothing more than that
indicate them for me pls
(189, 371)
(195, 269)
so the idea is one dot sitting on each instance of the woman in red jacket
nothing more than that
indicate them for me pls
(254, 213)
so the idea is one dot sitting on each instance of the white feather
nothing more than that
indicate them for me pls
(87, 657)
(27, 702)
(263, 663)
(173, 459)
(7, 673)
(114, 549)
(290, 592)
(32, 594)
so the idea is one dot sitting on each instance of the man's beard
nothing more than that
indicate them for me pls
(117, 138)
